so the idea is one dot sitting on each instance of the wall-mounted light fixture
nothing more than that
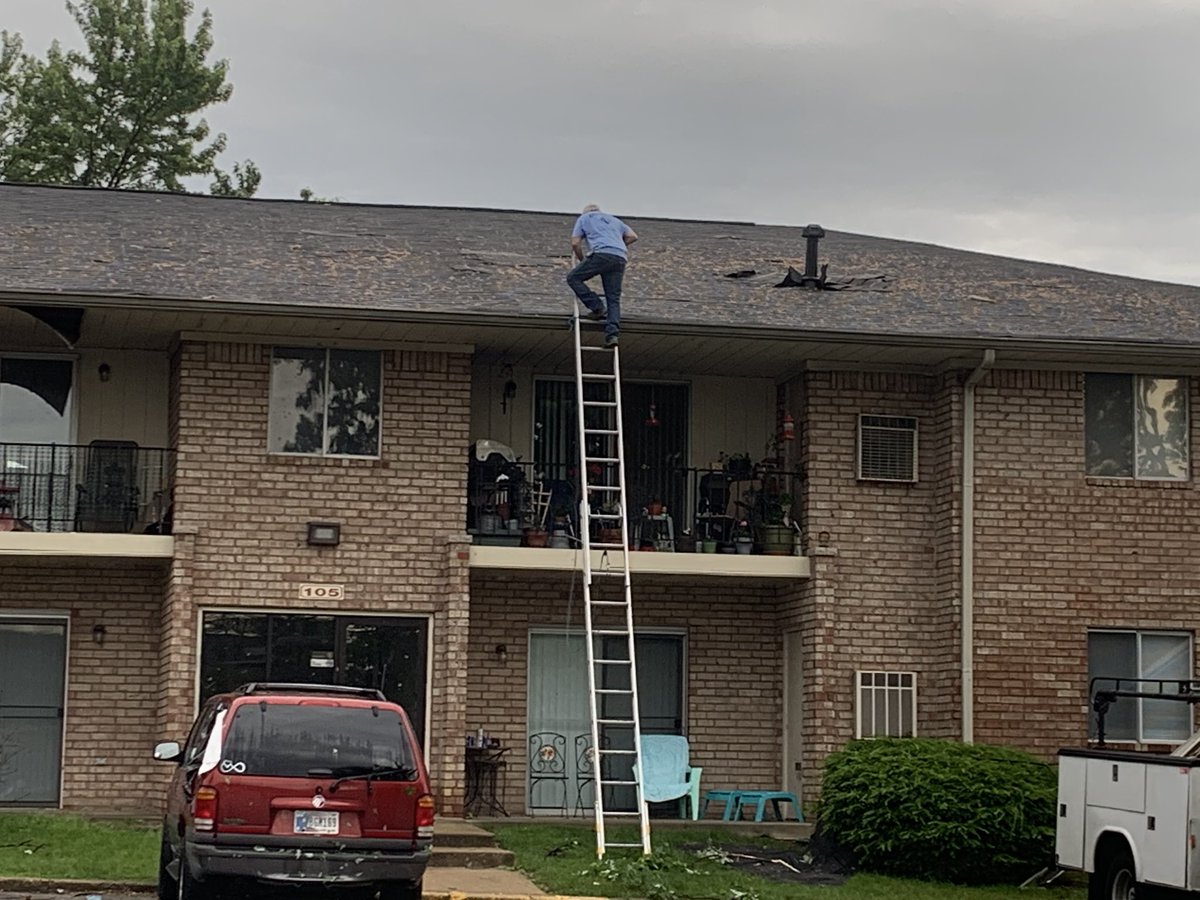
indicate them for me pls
(502, 652)
(99, 632)
(324, 534)
(104, 371)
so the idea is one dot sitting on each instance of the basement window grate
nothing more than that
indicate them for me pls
(887, 704)
(887, 448)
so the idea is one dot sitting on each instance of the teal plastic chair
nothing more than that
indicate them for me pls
(668, 776)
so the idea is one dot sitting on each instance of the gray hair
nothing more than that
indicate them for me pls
(591, 207)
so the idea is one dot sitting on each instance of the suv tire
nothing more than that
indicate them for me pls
(167, 888)
(401, 890)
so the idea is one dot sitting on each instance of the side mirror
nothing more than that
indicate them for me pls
(168, 751)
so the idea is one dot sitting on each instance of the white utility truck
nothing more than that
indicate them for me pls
(1131, 819)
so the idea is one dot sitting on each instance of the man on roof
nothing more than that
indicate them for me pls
(606, 239)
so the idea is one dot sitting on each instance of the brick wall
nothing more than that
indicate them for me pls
(241, 514)
(883, 592)
(111, 725)
(733, 694)
(1058, 552)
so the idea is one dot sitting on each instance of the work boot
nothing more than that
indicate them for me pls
(598, 315)
(611, 341)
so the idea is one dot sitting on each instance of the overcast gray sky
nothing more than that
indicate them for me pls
(1063, 130)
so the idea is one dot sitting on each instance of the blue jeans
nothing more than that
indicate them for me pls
(611, 270)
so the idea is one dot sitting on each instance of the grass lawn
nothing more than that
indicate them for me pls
(56, 845)
(675, 873)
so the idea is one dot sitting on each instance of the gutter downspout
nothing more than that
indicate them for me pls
(968, 546)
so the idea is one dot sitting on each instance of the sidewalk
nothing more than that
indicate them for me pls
(443, 883)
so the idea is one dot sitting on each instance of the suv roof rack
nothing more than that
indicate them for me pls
(273, 687)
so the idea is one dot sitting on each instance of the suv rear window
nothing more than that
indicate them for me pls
(295, 740)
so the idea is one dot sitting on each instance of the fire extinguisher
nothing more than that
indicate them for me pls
(789, 427)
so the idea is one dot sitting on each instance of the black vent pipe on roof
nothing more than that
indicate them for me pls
(812, 237)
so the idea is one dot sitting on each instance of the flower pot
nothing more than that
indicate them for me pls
(708, 546)
(685, 544)
(609, 535)
(776, 540)
(744, 546)
(536, 537)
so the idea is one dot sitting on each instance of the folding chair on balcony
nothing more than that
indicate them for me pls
(106, 500)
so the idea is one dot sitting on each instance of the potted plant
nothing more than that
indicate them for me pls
(743, 540)
(738, 466)
(655, 507)
(774, 531)
(609, 530)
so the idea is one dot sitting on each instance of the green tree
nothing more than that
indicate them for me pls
(124, 111)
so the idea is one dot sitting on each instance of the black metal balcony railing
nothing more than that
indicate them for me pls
(515, 503)
(105, 486)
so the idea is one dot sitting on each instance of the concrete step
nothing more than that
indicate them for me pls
(460, 833)
(470, 857)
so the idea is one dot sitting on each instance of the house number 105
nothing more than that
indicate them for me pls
(322, 591)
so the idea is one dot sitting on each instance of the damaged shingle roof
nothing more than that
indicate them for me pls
(468, 261)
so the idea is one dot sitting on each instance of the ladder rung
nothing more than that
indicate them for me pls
(616, 844)
(604, 459)
(612, 662)
(599, 403)
(622, 631)
(604, 487)
(604, 782)
(608, 603)
(598, 545)
(598, 376)
(620, 752)
(614, 813)
(614, 721)
(625, 691)
(595, 348)
(600, 431)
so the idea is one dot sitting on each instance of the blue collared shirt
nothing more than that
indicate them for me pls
(603, 233)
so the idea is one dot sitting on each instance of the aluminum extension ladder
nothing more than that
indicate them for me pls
(612, 675)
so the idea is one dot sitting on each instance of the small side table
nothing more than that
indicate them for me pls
(484, 766)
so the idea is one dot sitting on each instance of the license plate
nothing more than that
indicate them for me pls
(306, 822)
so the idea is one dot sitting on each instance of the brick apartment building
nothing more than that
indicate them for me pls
(238, 442)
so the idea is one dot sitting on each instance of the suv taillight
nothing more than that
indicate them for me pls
(425, 816)
(204, 809)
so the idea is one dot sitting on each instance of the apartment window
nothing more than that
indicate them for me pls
(1141, 654)
(887, 704)
(324, 402)
(1136, 426)
(887, 448)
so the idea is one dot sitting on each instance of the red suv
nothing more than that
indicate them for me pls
(297, 783)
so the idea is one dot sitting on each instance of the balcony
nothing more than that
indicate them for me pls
(107, 498)
(732, 521)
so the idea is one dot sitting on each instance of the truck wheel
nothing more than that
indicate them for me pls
(1119, 880)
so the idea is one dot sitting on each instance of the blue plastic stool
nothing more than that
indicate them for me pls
(760, 799)
(731, 802)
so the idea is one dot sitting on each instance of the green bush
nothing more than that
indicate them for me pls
(940, 810)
